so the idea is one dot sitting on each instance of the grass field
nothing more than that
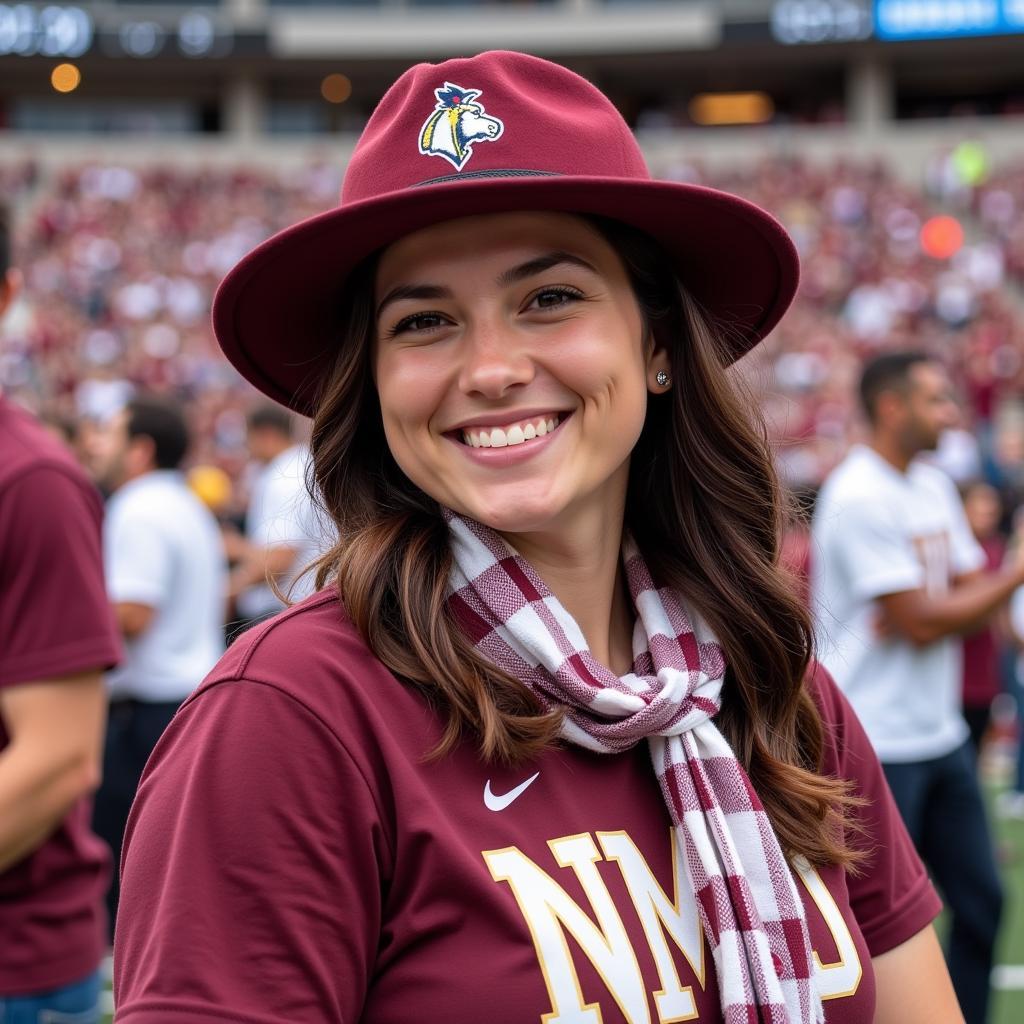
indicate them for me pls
(1009, 996)
(1008, 1005)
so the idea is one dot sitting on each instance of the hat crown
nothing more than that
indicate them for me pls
(500, 111)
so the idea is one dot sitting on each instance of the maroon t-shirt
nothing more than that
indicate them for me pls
(54, 620)
(292, 855)
(981, 653)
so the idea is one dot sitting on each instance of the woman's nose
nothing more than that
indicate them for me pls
(494, 362)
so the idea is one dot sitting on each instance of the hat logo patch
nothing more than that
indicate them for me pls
(455, 124)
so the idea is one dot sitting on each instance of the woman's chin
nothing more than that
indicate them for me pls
(515, 513)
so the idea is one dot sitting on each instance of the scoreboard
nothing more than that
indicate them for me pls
(944, 19)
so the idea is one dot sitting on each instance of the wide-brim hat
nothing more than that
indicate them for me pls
(494, 133)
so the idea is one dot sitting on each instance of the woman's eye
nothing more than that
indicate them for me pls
(418, 322)
(552, 298)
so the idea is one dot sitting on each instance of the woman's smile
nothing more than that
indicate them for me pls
(510, 434)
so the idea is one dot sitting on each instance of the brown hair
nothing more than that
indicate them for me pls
(703, 505)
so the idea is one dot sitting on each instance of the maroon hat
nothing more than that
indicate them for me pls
(499, 132)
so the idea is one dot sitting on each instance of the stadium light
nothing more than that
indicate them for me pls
(65, 78)
(336, 88)
(731, 108)
(51, 31)
(941, 237)
(197, 34)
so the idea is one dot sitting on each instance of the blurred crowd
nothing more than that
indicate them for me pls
(890, 267)
(121, 265)
(120, 269)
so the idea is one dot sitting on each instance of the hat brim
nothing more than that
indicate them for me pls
(276, 313)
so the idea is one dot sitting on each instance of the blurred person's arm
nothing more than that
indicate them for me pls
(260, 566)
(276, 538)
(133, 618)
(236, 547)
(57, 634)
(53, 757)
(924, 618)
(912, 984)
(1002, 625)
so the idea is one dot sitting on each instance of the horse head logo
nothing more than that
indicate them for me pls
(455, 124)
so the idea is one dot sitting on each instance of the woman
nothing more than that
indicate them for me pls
(434, 799)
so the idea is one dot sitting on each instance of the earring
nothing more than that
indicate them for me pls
(662, 378)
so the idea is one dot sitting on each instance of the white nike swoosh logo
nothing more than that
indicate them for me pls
(494, 802)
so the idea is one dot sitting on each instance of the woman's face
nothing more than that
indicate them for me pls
(512, 367)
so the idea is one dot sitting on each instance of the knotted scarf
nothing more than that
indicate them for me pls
(744, 890)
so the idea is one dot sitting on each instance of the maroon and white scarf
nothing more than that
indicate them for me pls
(744, 890)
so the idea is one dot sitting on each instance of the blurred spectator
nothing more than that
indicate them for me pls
(281, 526)
(896, 575)
(57, 636)
(126, 260)
(63, 428)
(981, 656)
(166, 579)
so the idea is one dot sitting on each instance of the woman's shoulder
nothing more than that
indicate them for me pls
(312, 654)
(315, 635)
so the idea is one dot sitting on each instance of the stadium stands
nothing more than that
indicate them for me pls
(122, 263)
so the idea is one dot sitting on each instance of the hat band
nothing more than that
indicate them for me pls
(511, 172)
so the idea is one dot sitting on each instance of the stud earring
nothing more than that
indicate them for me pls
(662, 378)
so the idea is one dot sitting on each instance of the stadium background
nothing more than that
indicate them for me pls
(145, 146)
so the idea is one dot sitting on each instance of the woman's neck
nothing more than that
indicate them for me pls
(583, 568)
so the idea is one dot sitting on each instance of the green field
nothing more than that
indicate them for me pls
(1009, 1001)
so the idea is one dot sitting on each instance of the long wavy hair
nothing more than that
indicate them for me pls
(703, 504)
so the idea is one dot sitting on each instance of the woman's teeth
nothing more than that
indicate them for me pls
(504, 437)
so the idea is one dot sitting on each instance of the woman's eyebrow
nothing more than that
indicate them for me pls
(512, 276)
(540, 264)
(413, 291)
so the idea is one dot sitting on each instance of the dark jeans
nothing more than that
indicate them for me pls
(942, 807)
(133, 727)
(977, 720)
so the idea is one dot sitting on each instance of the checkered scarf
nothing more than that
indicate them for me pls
(744, 890)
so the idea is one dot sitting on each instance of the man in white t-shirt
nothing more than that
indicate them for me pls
(895, 575)
(166, 576)
(281, 525)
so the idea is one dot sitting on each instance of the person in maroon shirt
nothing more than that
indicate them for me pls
(549, 744)
(57, 635)
(981, 683)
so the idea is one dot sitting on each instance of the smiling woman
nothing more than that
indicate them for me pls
(554, 685)
(531, 318)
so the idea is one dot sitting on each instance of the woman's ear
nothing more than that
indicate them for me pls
(659, 376)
